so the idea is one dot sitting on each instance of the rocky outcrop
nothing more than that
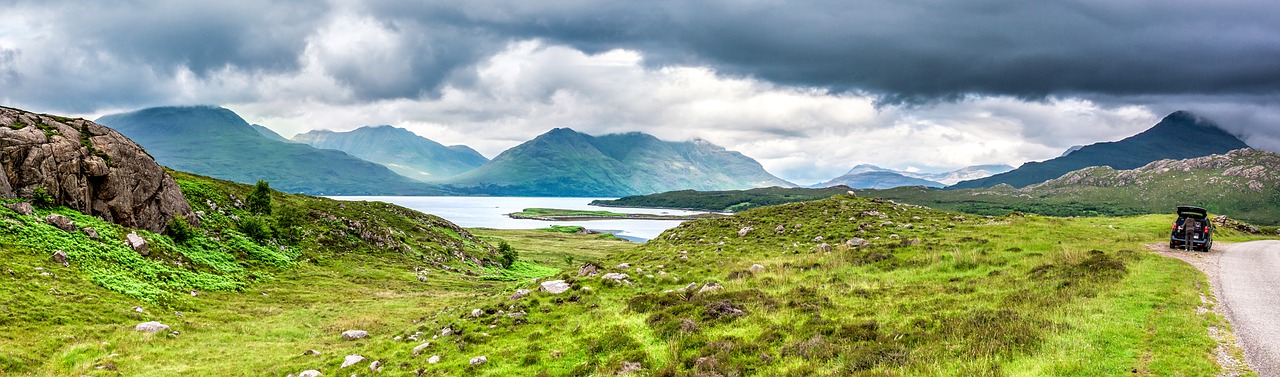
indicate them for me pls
(87, 167)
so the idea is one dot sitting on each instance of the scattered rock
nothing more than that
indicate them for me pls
(446, 331)
(476, 313)
(857, 242)
(913, 241)
(351, 360)
(22, 208)
(354, 334)
(756, 268)
(151, 327)
(520, 293)
(817, 239)
(376, 366)
(554, 286)
(710, 287)
(743, 232)
(310, 373)
(519, 314)
(629, 368)
(479, 360)
(893, 236)
(780, 229)
(90, 232)
(422, 278)
(137, 309)
(589, 269)
(825, 248)
(61, 257)
(135, 242)
(310, 353)
(689, 288)
(194, 293)
(60, 222)
(624, 265)
(615, 276)
(433, 359)
(421, 347)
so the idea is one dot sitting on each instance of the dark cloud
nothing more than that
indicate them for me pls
(918, 50)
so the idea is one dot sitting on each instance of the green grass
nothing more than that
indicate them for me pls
(553, 212)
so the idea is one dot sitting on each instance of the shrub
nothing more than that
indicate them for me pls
(255, 228)
(41, 198)
(259, 201)
(180, 229)
(288, 223)
(509, 254)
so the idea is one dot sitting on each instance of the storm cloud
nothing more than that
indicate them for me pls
(808, 88)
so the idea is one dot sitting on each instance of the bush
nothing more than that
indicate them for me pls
(180, 229)
(259, 201)
(289, 223)
(509, 254)
(255, 228)
(41, 198)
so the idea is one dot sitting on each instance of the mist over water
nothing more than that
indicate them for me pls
(491, 212)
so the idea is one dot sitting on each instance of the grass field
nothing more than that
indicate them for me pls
(933, 293)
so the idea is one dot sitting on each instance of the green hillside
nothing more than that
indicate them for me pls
(1180, 135)
(400, 150)
(563, 162)
(724, 201)
(216, 142)
(1242, 184)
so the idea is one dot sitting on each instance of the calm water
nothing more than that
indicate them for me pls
(491, 212)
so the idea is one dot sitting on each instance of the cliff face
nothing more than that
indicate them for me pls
(87, 167)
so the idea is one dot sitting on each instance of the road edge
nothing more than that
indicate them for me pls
(1228, 353)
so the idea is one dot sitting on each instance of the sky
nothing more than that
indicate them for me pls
(809, 89)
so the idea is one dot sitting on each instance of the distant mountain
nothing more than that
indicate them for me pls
(268, 133)
(400, 150)
(875, 177)
(1180, 135)
(564, 162)
(216, 142)
(1243, 183)
(1073, 148)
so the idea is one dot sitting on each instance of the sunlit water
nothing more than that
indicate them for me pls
(491, 212)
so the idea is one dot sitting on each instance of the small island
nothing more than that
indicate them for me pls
(553, 214)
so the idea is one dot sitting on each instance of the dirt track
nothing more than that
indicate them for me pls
(1246, 279)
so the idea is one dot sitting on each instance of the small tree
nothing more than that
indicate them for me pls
(255, 228)
(180, 229)
(509, 254)
(41, 198)
(259, 201)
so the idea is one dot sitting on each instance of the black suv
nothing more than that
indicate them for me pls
(1192, 230)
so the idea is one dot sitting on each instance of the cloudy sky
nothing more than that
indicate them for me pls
(809, 89)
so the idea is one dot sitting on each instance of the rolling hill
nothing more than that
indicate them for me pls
(216, 142)
(1179, 135)
(400, 150)
(564, 162)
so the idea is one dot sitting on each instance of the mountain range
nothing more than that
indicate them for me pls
(875, 177)
(1180, 135)
(564, 162)
(400, 150)
(216, 142)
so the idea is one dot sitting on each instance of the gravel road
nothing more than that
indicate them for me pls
(1249, 278)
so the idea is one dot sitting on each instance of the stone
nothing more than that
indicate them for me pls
(554, 286)
(743, 232)
(421, 347)
(22, 208)
(476, 313)
(780, 229)
(310, 353)
(310, 373)
(519, 314)
(90, 232)
(589, 269)
(135, 242)
(375, 366)
(615, 276)
(520, 293)
(433, 359)
(825, 248)
(137, 309)
(61, 257)
(60, 222)
(354, 334)
(857, 242)
(446, 331)
(624, 265)
(756, 268)
(893, 236)
(151, 327)
(87, 167)
(817, 239)
(711, 287)
(689, 288)
(629, 368)
(479, 360)
(351, 360)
